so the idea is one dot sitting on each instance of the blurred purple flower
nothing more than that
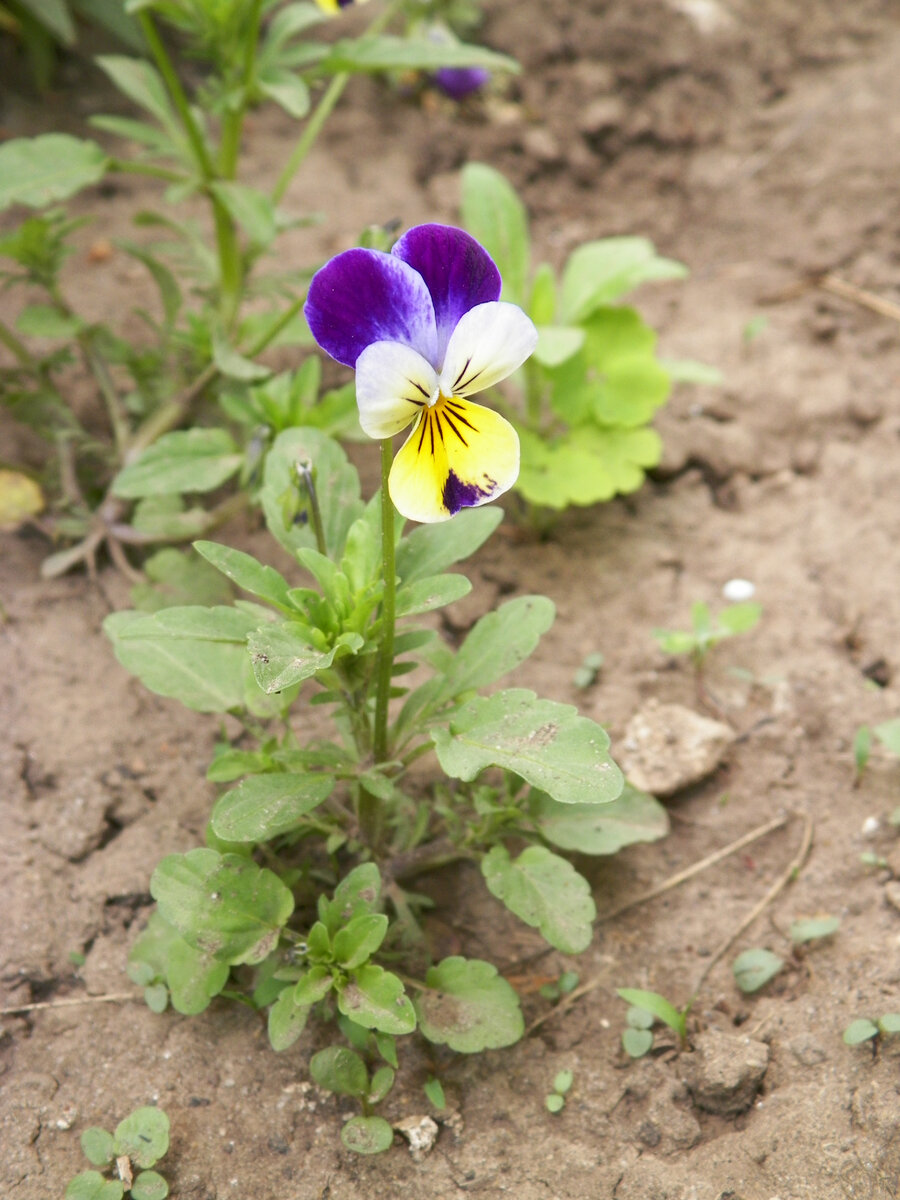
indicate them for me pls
(457, 82)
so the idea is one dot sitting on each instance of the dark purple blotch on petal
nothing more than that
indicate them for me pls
(458, 272)
(457, 495)
(457, 82)
(366, 296)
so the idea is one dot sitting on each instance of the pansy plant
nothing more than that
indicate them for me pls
(425, 328)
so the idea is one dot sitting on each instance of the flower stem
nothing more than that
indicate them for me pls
(386, 655)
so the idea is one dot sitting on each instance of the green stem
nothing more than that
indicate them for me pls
(323, 111)
(386, 652)
(176, 91)
(304, 471)
(233, 121)
(16, 347)
(117, 419)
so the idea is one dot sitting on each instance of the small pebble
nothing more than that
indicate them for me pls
(739, 590)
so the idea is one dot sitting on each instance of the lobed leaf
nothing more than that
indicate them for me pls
(601, 272)
(375, 999)
(469, 1007)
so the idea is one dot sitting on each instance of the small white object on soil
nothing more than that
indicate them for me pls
(870, 827)
(725, 1071)
(421, 1133)
(668, 747)
(739, 590)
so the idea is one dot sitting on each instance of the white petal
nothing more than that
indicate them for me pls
(393, 384)
(489, 343)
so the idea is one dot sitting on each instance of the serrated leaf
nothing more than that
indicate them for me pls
(337, 488)
(548, 744)
(375, 999)
(367, 1135)
(425, 595)
(359, 939)
(54, 166)
(223, 904)
(97, 1145)
(603, 271)
(860, 1030)
(813, 928)
(143, 1136)
(546, 892)
(339, 1070)
(600, 829)
(286, 1020)
(496, 644)
(469, 1007)
(149, 1185)
(754, 968)
(188, 460)
(205, 673)
(90, 1185)
(495, 215)
(429, 549)
(586, 465)
(265, 806)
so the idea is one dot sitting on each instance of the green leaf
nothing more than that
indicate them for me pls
(814, 927)
(469, 1007)
(754, 968)
(143, 1136)
(46, 321)
(430, 549)
(639, 1018)
(434, 1092)
(425, 595)
(166, 283)
(313, 986)
(282, 656)
(739, 618)
(204, 672)
(142, 83)
(387, 1048)
(97, 1145)
(193, 976)
(546, 892)
(555, 1103)
(367, 1135)
(249, 208)
(562, 1082)
(176, 579)
(637, 1042)
(357, 893)
(54, 16)
(586, 465)
(601, 272)
(165, 518)
(90, 1185)
(288, 90)
(232, 364)
(359, 939)
(339, 1070)
(889, 1023)
(888, 733)
(223, 904)
(548, 744)
(337, 487)
(386, 52)
(860, 1030)
(652, 1002)
(375, 999)
(382, 1082)
(600, 829)
(493, 213)
(265, 806)
(497, 643)
(557, 343)
(189, 460)
(286, 1020)
(862, 748)
(686, 370)
(149, 1185)
(54, 166)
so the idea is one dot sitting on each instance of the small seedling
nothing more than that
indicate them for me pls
(587, 674)
(139, 1141)
(754, 968)
(753, 328)
(434, 1091)
(813, 929)
(637, 1038)
(862, 750)
(707, 631)
(566, 983)
(863, 1030)
(870, 859)
(556, 1100)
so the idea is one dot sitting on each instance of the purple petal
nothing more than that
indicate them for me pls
(365, 296)
(457, 82)
(458, 271)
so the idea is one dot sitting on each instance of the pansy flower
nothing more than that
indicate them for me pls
(425, 329)
(333, 6)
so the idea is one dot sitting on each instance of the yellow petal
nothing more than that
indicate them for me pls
(459, 455)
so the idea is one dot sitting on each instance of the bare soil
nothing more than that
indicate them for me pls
(754, 140)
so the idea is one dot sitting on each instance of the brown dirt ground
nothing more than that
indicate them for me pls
(751, 139)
